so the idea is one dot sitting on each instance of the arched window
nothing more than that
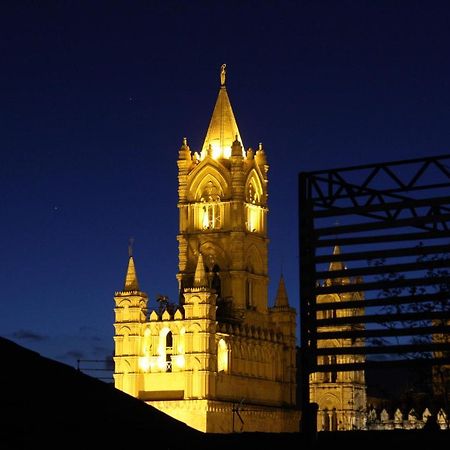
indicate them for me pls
(253, 194)
(210, 208)
(222, 356)
(169, 351)
(169, 341)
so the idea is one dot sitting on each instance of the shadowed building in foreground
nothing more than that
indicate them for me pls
(47, 404)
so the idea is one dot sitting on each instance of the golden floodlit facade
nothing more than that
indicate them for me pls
(340, 396)
(221, 360)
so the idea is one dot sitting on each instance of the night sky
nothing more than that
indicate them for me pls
(96, 98)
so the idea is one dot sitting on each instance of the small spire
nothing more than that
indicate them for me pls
(185, 151)
(260, 155)
(200, 279)
(131, 281)
(222, 74)
(337, 265)
(236, 147)
(281, 299)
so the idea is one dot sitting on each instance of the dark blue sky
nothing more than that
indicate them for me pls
(97, 96)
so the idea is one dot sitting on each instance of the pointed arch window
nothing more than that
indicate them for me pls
(210, 213)
(169, 351)
(169, 341)
(165, 350)
(253, 195)
(254, 211)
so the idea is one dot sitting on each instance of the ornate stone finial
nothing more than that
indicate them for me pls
(130, 246)
(200, 279)
(222, 74)
(281, 300)
(131, 280)
(185, 141)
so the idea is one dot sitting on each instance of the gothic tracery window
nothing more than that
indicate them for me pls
(169, 351)
(253, 195)
(210, 199)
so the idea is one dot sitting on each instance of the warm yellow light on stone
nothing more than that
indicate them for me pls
(179, 361)
(161, 363)
(253, 218)
(181, 343)
(222, 356)
(226, 151)
(205, 221)
(224, 343)
(217, 151)
(144, 363)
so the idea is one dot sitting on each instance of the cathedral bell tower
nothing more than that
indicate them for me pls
(130, 313)
(220, 360)
(341, 396)
(223, 214)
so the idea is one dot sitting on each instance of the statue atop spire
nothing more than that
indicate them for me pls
(222, 74)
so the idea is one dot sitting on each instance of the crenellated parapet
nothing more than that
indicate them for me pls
(177, 314)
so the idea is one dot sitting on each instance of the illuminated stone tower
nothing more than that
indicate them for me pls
(341, 396)
(221, 360)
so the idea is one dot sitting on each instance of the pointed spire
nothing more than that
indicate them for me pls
(200, 279)
(281, 299)
(336, 265)
(223, 129)
(131, 281)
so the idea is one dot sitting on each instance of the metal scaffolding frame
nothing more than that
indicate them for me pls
(392, 223)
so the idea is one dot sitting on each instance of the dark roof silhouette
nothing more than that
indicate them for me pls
(49, 404)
